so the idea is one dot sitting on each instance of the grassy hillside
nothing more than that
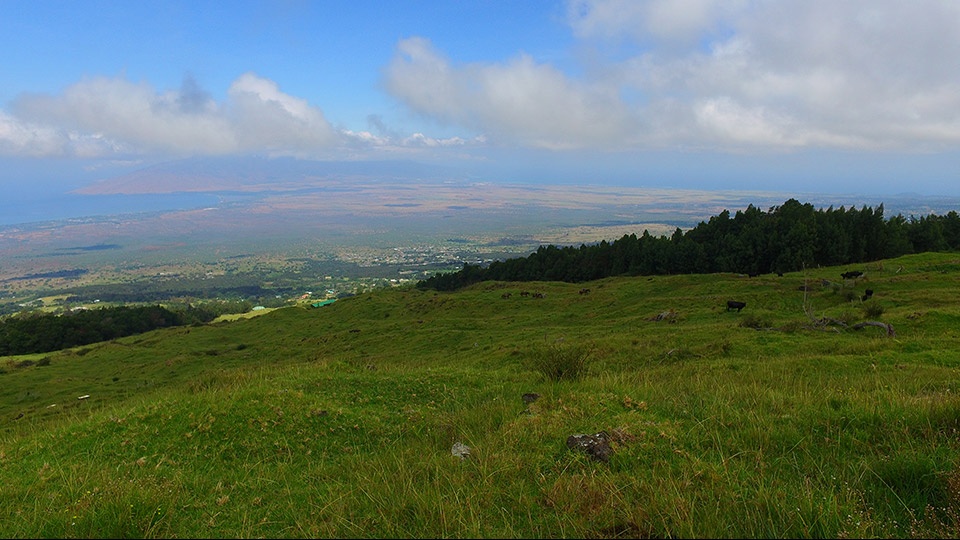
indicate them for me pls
(782, 420)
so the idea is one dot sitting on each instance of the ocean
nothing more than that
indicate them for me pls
(54, 207)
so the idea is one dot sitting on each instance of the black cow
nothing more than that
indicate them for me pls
(867, 294)
(733, 304)
(853, 274)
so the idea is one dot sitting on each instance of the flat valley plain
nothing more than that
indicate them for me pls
(340, 234)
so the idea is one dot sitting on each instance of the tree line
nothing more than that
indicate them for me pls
(35, 332)
(785, 238)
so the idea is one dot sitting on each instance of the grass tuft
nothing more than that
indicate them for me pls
(559, 362)
(873, 310)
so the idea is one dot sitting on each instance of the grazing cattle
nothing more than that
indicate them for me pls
(524, 293)
(505, 295)
(867, 294)
(853, 274)
(754, 274)
(584, 291)
(538, 295)
(733, 304)
(779, 274)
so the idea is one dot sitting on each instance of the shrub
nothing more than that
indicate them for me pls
(559, 363)
(847, 317)
(792, 326)
(754, 321)
(873, 310)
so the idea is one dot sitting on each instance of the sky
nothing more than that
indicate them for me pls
(859, 96)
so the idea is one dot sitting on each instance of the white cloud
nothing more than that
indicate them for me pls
(30, 139)
(419, 139)
(26, 139)
(410, 144)
(861, 74)
(726, 75)
(670, 21)
(266, 118)
(103, 116)
(518, 101)
(128, 115)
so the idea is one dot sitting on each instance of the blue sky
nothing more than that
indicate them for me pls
(796, 96)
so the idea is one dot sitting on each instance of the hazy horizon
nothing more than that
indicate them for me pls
(214, 182)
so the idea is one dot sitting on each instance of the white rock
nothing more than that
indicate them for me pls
(460, 450)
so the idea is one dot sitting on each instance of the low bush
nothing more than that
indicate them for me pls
(754, 321)
(561, 363)
(873, 310)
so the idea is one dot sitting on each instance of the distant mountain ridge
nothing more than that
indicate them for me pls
(255, 174)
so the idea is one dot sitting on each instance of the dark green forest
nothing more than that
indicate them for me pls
(44, 332)
(785, 238)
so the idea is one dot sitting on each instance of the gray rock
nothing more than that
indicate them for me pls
(460, 450)
(597, 446)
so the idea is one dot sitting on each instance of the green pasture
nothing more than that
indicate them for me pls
(788, 419)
